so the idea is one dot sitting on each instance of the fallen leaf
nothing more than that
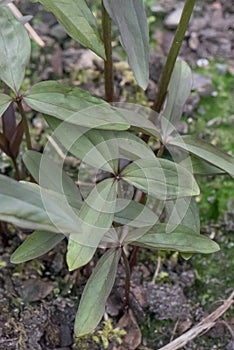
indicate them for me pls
(133, 337)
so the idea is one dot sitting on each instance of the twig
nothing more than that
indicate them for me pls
(174, 330)
(229, 328)
(203, 326)
(157, 270)
(56, 147)
(83, 183)
(29, 28)
(127, 279)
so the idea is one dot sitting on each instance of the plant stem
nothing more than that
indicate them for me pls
(173, 53)
(26, 128)
(108, 63)
(17, 171)
(133, 257)
(127, 279)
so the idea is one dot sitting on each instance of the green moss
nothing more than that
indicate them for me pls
(156, 332)
(215, 272)
(214, 116)
(217, 195)
(102, 338)
(214, 121)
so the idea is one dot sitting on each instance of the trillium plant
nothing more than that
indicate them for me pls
(144, 173)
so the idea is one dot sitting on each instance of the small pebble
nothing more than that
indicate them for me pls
(202, 62)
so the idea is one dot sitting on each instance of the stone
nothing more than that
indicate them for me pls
(58, 32)
(202, 84)
(172, 20)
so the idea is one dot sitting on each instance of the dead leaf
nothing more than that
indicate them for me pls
(140, 295)
(133, 337)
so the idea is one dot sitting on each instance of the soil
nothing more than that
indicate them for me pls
(39, 299)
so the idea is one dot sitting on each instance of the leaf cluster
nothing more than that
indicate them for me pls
(102, 135)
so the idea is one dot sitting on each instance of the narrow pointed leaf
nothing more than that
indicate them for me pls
(74, 105)
(29, 206)
(200, 167)
(206, 151)
(22, 206)
(15, 48)
(178, 91)
(181, 239)
(78, 21)
(110, 239)
(78, 255)
(161, 178)
(16, 139)
(9, 122)
(132, 147)
(134, 214)
(96, 292)
(94, 147)
(4, 144)
(5, 101)
(139, 119)
(97, 213)
(131, 20)
(35, 245)
(183, 211)
(99, 148)
(55, 179)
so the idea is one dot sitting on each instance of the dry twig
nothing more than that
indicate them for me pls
(201, 327)
(158, 267)
(29, 28)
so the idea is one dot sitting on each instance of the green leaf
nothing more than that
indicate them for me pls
(35, 245)
(200, 167)
(97, 213)
(181, 239)
(16, 139)
(132, 147)
(99, 148)
(15, 48)
(55, 179)
(183, 211)
(29, 206)
(78, 21)
(78, 255)
(138, 118)
(161, 178)
(131, 20)
(74, 105)
(186, 256)
(5, 102)
(178, 91)
(206, 151)
(96, 292)
(134, 214)
(110, 239)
